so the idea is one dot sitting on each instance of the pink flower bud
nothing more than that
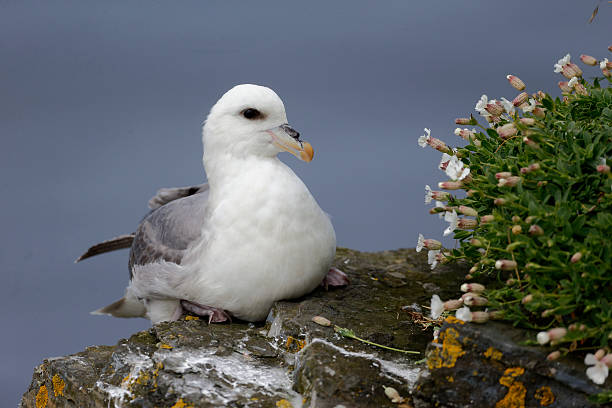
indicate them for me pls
(442, 257)
(516, 82)
(539, 112)
(608, 65)
(531, 143)
(453, 304)
(529, 219)
(603, 168)
(477, 243)
(486, 218)
(542, 183)
(495, 108)
(599, 354)
(465, 210)
(528, 121)
(503, 174)
(571, 70)
(509, 181)
(480, 317)
(576, 257)
(517, 229)
(554, 355)
(500, 201)
(466, 121)
(588, 60)
(516, 218)
(520, 99)
(472, 287)
(505, 264)
(450, 185)
(565, 88)
(606, 72)
(527, 299)
(557, 333)
(465, 223)
(432, 244)
(506, 130)
(536, 230)
(465, 134)
(438, 145)
(610, 48)
(607, 360)
(580, 89)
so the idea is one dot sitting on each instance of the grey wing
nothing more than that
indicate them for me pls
(166, 195)
(166, 233)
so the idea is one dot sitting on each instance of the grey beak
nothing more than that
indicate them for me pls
(291, 131)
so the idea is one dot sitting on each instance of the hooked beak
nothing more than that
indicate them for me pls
(288, 139)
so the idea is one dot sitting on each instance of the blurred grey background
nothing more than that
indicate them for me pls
(101, 104)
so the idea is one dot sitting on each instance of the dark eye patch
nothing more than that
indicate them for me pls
(251, 113)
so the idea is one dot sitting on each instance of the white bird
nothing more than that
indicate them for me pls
(233, 246)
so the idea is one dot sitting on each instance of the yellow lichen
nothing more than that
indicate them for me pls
(42, 397)
(192, 317)
(515, 398)
(283, 404)
(166, 346)
(493, 354)
(449, 353)
(545, 395)
(181, 404)
(450, 379)
(454, 320)
(58, 385)
(300, 344)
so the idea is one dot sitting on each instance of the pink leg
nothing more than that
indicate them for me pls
(214, 314)
(335, 277)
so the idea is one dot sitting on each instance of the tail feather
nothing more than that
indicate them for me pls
(125, 307)
(120, 242)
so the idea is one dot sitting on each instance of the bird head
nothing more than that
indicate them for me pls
(250, 120)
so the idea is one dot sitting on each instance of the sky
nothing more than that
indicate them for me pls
(101, 104)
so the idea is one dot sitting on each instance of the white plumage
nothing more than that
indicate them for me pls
(255, 236)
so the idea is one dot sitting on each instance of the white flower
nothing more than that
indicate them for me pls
(508, 106)
(481, 105)
(603, 63)
(451, 217)
(432, 257)
(563, 61)
(428, 194)
(599, 372)
(531, 107)
(457, 131)
(572, 82)
(444, 160)
(420, 243)
(464, 314)
(543, 337)
(456, 169)
(437, 306)
(424, 138)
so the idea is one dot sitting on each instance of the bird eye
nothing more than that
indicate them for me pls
(251, 113)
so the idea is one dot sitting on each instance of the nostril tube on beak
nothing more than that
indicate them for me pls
(291, 131)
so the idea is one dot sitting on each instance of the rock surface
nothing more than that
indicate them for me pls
(290, 361)
(473, 365)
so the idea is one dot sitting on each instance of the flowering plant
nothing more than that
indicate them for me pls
(536, 217)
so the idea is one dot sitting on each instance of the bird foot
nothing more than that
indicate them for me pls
(334, 278)
(214, 314)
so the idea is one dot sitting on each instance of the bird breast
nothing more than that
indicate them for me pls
(265, 239)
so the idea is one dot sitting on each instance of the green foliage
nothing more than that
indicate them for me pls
(556, 221)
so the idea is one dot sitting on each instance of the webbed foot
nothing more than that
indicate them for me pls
(215, 315)
(335, 278)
